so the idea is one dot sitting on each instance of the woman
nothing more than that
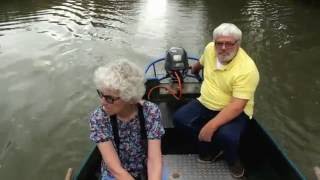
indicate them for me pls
(120, 87)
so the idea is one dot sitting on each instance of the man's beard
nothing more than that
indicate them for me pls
(225, 59)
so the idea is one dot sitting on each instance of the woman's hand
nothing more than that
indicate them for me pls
(111, 159)
(124, 176)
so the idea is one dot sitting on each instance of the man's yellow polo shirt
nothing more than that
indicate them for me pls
(237, 79)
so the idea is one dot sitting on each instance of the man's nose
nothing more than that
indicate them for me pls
(223, 46)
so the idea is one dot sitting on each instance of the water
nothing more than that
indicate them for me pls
(50, 48)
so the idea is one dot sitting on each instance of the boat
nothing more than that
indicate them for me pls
(170, 85)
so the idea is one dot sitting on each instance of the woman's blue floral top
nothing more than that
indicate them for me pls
(132, 154)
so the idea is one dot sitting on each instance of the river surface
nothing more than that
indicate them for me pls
(50, 48)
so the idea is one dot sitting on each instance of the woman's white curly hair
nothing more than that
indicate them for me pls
(122, 76)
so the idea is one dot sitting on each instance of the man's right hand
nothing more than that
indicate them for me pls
(195, 68)
(194, 71)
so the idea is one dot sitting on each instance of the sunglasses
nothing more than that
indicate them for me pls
(107, 98)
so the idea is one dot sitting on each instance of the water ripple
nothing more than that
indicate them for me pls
(79, 19)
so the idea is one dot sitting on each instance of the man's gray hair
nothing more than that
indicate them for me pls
(227, 29)
(122, 76)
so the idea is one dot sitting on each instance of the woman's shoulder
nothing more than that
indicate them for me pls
(148, 105)
(98, 115)
(151, 111)
(152, 115)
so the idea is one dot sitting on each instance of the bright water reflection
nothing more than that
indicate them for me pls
(49, 49)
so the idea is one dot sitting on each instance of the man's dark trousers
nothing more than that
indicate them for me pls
(193, 116)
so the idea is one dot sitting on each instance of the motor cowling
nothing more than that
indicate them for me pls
(176, 60)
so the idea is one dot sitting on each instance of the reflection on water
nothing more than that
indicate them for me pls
(152, 23)
(69, 19)
(49, 49)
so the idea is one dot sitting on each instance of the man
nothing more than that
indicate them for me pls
(221, 113)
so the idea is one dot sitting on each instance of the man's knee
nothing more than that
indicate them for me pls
(178, 118)
(186, 120)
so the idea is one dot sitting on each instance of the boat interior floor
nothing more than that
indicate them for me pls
(186, 167)
(180, 156)
(257, 152)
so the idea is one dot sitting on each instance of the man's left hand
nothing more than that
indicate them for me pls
(207, 132)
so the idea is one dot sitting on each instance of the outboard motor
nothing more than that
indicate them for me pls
(176, 62)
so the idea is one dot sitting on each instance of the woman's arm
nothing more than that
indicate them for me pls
(111, 159)
(154, 159)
